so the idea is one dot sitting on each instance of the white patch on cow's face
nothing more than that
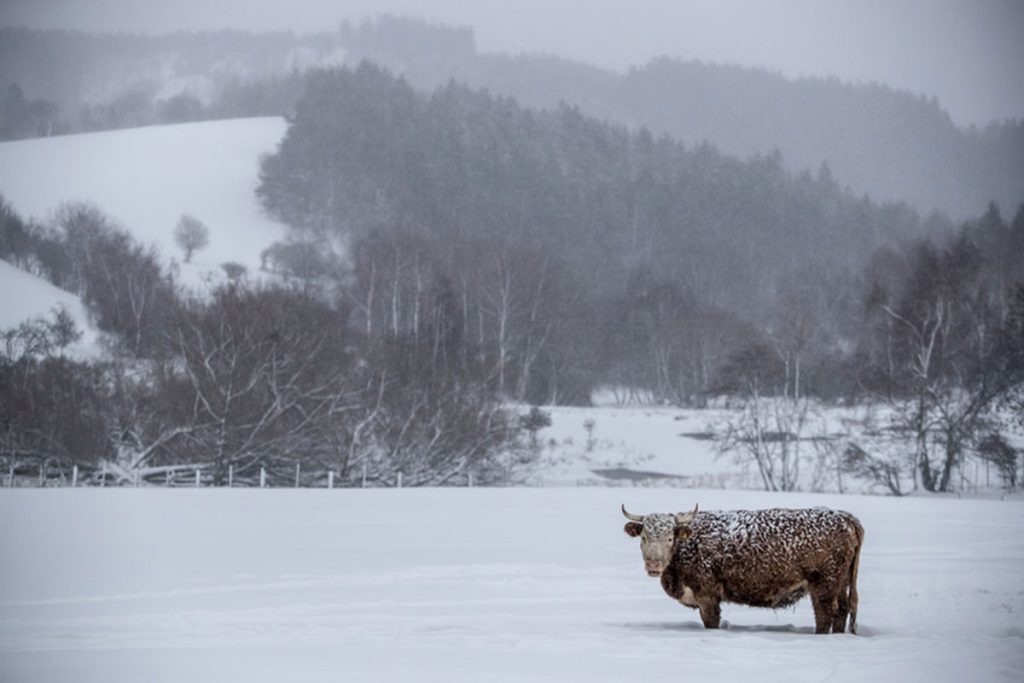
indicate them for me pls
(656, 542)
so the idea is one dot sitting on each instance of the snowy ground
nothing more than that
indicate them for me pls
(27, 297)
(661, 446)
(146, 178)
(648, 445)
(472, 584)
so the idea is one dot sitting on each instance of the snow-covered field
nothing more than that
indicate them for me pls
(452, 584)
(472, 584)
(650, 445)
(146, 178)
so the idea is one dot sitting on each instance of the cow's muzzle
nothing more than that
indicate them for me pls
(654, 568)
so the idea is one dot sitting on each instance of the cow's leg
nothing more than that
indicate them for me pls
(826, 605)
(842, 611)
(710, 613)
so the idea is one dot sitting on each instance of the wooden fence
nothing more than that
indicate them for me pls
(41, 473)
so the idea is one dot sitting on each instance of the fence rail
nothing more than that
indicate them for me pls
(38, 473)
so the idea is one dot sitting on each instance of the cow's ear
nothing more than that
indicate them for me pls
(633, 529)
(683, 532)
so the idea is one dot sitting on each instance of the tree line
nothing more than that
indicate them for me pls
(577, 254)
(886, 143)
(889, 144)
(454, 251)
(245, 378)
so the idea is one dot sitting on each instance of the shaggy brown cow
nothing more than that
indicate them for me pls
(761, 558)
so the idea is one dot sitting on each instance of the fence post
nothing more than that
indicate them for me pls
(103, 476)
(42, 474)
(470, 480)
(330, 479)
(298, 469)
(197, 477)
(137, 478)
(263, 477)
(399, 480)
(231, 475)
(364, 475)
(167, 478)
(74, 476)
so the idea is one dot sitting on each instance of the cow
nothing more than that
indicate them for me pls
(762, 558)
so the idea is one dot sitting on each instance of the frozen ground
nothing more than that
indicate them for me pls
(472, 584)
(146, 178)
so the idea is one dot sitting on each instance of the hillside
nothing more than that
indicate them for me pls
(146, 178)
(889, 144)
(27, 297)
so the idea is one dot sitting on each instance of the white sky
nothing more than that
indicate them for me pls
(968, 53)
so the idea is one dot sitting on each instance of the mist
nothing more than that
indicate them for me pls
(966, 54)
(352, 328)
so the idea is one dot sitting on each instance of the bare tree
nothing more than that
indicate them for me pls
(266, 369)
(51, 407)
(995, 449)
(954, 378)
(767, 431)
(119, 279)
(769, 427)
(876, 468)
(191, 234)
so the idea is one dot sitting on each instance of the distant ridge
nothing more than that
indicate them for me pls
(887, 143)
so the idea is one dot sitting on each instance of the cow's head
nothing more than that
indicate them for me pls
(658, 532)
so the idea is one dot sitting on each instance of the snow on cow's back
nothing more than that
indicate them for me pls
(792, 531)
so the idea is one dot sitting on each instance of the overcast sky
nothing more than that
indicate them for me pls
(968, 53)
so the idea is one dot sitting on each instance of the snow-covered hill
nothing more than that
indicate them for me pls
(473, 585)
(146, 178)
(27, 297)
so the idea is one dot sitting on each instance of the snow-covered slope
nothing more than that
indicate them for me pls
(473, 585)
(24, 296)
(146, 178)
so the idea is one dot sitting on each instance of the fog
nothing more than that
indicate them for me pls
(965, 53)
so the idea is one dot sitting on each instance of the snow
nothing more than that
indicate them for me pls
(650, 445)
(472, 584)
(146, 178)
(27, 297)
(630, 440)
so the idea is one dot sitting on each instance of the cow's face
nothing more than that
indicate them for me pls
(658, 533)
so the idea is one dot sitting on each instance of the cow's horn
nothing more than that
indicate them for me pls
(684, 517)
(631, 517)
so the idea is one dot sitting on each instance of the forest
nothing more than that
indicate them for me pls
(889, 144)
(455, 254)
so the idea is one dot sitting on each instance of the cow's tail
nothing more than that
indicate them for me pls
(854, 564)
